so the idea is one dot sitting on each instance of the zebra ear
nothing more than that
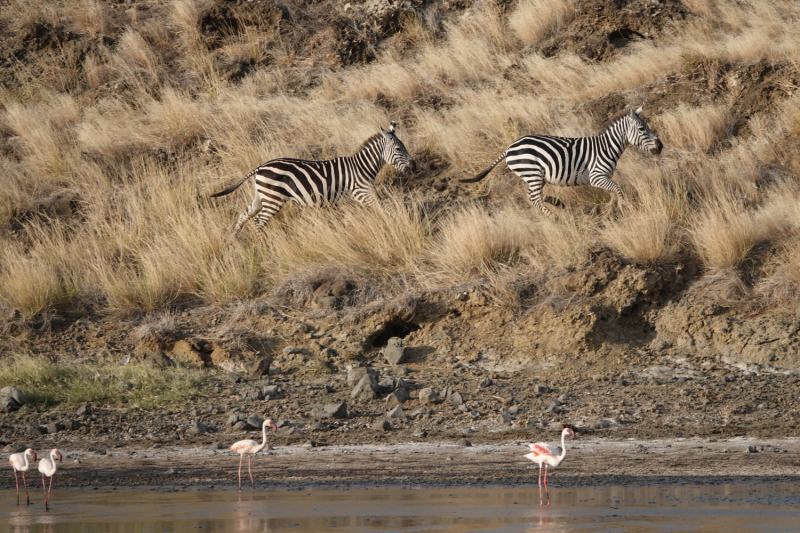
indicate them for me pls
(392, 127)
(639, 111)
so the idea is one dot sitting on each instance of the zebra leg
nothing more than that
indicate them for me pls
(603, 182)
(269, 207)
(535, 186)
(249, 213)
(366, 197)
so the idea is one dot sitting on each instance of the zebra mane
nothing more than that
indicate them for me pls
(369, 142)
(614, 119)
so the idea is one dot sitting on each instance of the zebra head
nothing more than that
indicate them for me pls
(638, 133)
(394, 151)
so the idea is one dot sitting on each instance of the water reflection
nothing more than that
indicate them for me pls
(761, 507)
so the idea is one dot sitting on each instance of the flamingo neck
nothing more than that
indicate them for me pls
(563, 448)
(53, 459)
(263, 438)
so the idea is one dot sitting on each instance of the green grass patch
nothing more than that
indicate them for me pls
(56, 384)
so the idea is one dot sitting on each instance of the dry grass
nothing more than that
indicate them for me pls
(142, 131)
(533, 20)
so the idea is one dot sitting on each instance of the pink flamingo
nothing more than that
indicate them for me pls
(251, 448)
(21, 462)
(48, 468)
(547, 455)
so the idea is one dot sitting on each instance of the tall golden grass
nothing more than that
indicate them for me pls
(143, 131)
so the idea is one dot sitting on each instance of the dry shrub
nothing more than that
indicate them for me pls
(695, 129)
(383, 241)
(473, 242)
(533, 20)
(647, 231)
(723, 231)
(88, 16)
(46, 131)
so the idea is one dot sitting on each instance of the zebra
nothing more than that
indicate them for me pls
(569, 162)
(316, 182)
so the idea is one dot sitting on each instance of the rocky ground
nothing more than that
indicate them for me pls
(433, 371)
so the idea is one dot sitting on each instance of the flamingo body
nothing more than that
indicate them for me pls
(549, 456)
(250, 448)
(21, 462)
(48, 467)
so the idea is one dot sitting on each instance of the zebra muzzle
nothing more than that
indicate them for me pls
(658, 147)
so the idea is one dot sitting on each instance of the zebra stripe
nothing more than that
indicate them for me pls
(316, 182)
(569, 162)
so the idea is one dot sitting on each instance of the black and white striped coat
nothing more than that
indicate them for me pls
(316, 182)
(569, 162)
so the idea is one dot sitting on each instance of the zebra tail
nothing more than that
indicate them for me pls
(485, 172)
(234, 186)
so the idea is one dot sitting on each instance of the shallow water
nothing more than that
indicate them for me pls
(772, 507)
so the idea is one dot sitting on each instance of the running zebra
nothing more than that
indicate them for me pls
(315, 182)
(575, 161)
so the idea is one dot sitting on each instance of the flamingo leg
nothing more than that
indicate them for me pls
(241, 458)
(249, 457)
(16, 480)
(547, 493)
(540, 486)
(48, 491)
(27, 497)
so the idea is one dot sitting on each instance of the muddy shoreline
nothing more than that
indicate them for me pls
(590, 461)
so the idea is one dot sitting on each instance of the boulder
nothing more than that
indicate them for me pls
(397, 412)
(356, 374)
(259, 368)
(428, 396)
(394, 351)
(15, 394)
(397, 397)
(336, 410)
(197, 428)
(365, 389)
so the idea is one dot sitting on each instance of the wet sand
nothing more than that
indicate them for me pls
(589, 461)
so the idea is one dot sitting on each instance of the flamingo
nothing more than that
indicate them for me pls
(21, 462)
(251, 448)
(48, 468)
(547, 455)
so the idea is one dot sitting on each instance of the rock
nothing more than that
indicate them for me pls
(455, 399)
(271, 391)
(397, 412)
(394, 351)
(255, 422)
(386, 385)
(85, 409)
(541, 388)
(233, 377)
(514, 409)
(428, 396)
(357, 374)
(302, 327)
(259, 368)
(54, 427)
(232, 419)
(252, 394)
(505, 415)
(7, 404)
(124, 386)
(397, 397)
(420, 433)
(15, 394)
(401, 370)
(217, 446)
(197, 428)
(316, 426)
(289, 350)
(336, 410)
(71, 425)
(422, 411)
(382, 425)
(463, 443)
(35, 431)
(485, 382)
(241, 425)
(101, 451)
(752, 449)
(365, 389)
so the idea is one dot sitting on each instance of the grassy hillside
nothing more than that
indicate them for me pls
(118, 120)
